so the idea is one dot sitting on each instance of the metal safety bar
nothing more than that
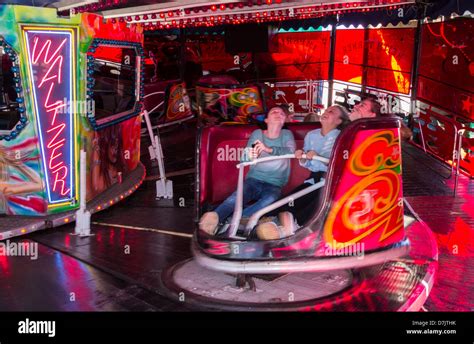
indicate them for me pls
(460, 134)
(256, 216)
(237, 215)
(455, 142)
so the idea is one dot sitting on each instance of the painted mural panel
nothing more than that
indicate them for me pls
(240, 104)
(112, 152)
(35, 152)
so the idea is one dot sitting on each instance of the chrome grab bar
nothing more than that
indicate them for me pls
(237, 215)
(256, 216)
(278, 157)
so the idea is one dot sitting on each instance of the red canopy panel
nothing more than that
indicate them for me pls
(297, 56)
(447, 67)
(389, 58)
(214, 58)
(349, 55)
(389, 54)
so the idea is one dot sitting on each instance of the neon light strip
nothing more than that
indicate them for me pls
(72, 119)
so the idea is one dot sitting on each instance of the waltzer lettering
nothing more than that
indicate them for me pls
(50, 66)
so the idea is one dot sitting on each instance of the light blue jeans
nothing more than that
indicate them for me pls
(262, 193)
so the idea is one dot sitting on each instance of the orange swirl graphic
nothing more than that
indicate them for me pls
(353, 218)
(379, 151)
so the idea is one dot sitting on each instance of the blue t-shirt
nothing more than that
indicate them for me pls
(275, 172)
(322, 145)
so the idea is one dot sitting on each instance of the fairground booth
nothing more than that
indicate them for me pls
(67, 85)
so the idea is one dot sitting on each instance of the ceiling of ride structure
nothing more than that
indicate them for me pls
(166, 14)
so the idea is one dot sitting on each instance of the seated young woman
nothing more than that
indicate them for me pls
(316, 142)
(285, 225)
(264, 181)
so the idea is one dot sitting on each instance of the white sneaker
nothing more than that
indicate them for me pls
(209, 222)
(272, 231)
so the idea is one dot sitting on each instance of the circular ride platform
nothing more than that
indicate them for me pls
(402, 284)
(268, 291)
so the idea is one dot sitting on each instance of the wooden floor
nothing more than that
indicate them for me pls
(452, 221)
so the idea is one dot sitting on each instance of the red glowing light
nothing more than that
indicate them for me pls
(59, 170)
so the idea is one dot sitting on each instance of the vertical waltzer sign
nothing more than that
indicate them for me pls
(51, 66)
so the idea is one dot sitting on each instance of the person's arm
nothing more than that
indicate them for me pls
(405, 132)
(246, 154)
(306, 148)
(316, 165)
(288, 147)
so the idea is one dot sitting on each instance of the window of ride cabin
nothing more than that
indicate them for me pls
(115, 82)
(9, 107)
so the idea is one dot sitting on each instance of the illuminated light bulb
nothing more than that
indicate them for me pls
(213, 8)
(222, 7)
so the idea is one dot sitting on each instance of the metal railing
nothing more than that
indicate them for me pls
(423, 141)
(457, 140)
(237, 215)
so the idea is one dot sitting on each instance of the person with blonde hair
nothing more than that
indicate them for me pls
(316, 142)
